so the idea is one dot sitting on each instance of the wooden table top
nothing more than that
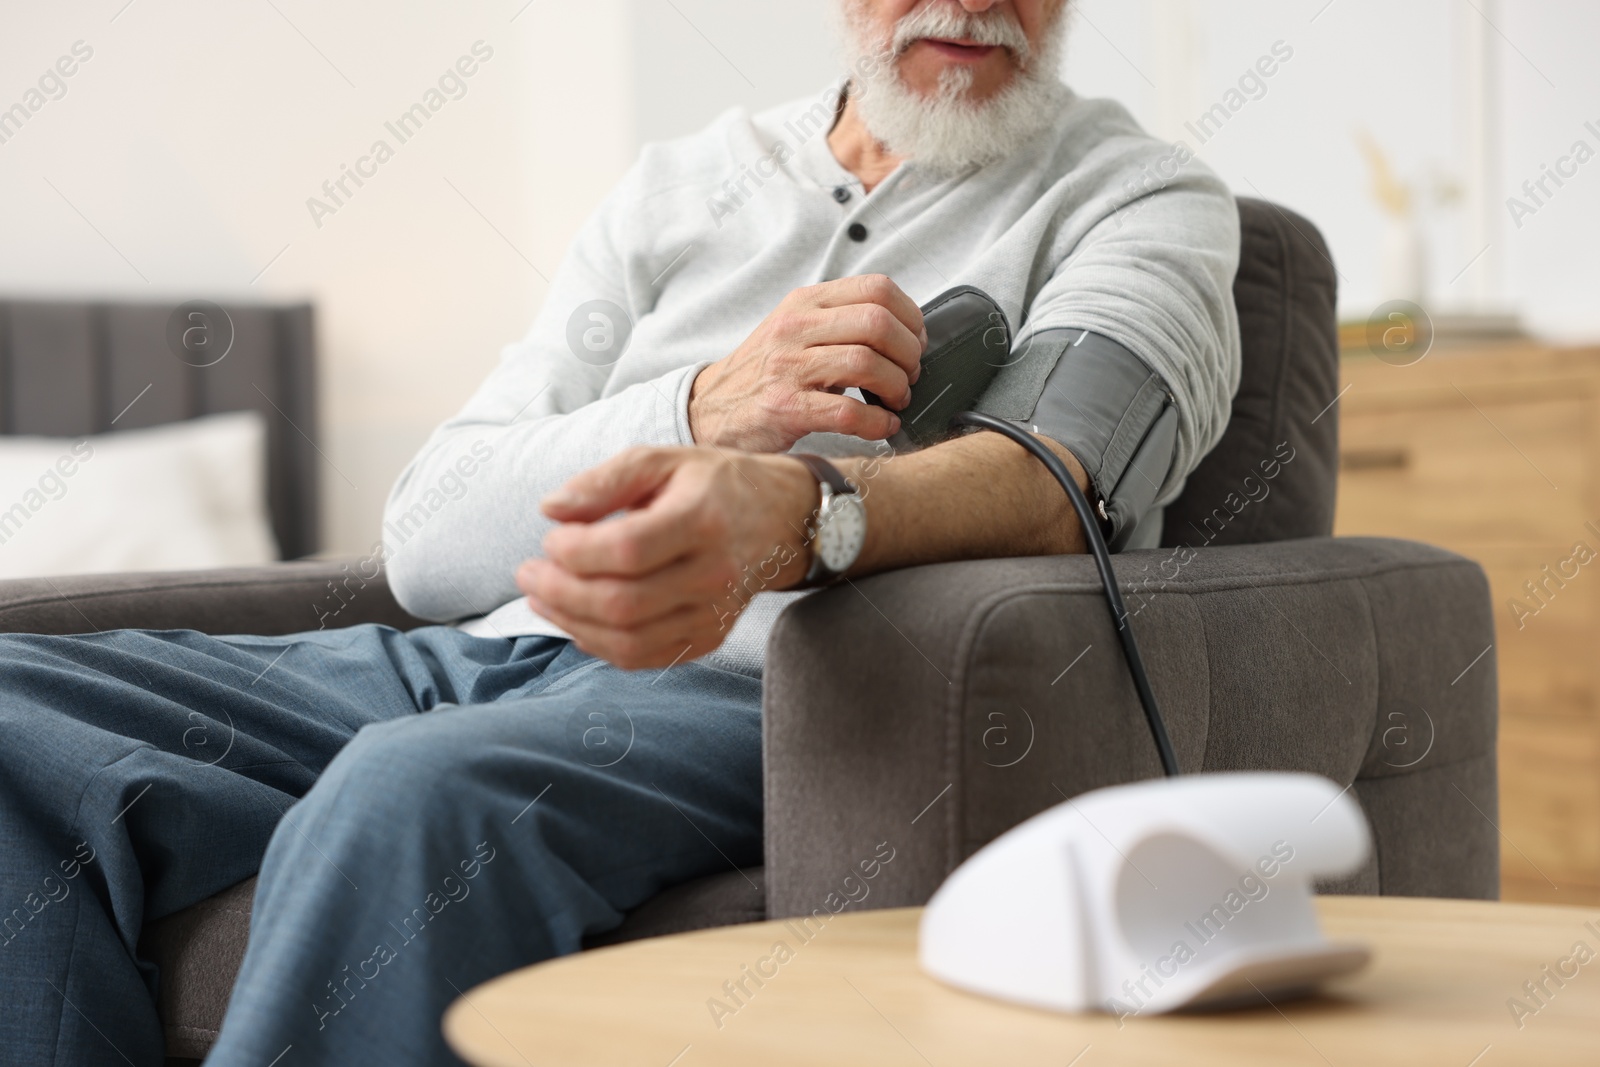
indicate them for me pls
(1441, 989)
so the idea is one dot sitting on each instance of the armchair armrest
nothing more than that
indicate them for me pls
(933, 708)
(279, 598)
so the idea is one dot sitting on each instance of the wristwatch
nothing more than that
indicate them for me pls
(838, 529)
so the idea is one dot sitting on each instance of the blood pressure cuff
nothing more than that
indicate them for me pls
(1115, 415)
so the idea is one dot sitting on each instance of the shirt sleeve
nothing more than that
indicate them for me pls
(1129, 353)
(465, 513)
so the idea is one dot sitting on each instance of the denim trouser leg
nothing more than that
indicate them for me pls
(442, 849)
(541, 794)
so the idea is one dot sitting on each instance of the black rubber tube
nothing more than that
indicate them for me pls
(1102, 560)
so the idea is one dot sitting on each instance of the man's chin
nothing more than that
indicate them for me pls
(956, 91)
(950, 109)
(958, 126)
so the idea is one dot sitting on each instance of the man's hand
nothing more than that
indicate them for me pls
(652, 586)
(785, 380)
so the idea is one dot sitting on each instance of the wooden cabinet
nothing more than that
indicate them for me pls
(1492, 452)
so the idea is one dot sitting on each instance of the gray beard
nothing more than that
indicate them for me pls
(947, 133)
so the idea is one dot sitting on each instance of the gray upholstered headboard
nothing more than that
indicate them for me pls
(68, 369)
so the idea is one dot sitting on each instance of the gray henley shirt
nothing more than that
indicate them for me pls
(1093, 225)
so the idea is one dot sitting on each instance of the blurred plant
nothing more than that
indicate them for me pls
(1403, 257)
(1397, 197)
(1393, 195)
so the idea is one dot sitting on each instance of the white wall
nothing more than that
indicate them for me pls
(696, 58)
(194, 135)
(1396, 70)
(1550, 90)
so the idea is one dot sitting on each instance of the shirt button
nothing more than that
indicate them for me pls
(841, 194)
(857, 232)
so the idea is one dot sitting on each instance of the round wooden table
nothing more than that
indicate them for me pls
(1445, 981)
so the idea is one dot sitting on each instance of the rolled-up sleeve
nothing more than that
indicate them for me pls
(1155, 276)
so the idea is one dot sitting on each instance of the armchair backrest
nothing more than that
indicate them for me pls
(1285, 291)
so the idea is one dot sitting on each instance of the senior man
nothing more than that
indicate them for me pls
(430, 809)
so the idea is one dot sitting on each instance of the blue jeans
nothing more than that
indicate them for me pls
(426, 810)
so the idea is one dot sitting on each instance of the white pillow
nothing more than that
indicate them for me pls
(184, 495)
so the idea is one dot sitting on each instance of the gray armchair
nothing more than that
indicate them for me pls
(930, 709)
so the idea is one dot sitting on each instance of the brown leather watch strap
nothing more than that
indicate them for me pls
(825, 472)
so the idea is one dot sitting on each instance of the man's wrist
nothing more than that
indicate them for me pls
(867, 473)
(836, 528)
(799, 510)
(694, 406)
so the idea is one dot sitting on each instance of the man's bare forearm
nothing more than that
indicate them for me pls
(697, 522)
(974, 497)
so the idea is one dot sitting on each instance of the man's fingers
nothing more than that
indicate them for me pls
(872, 289)
(631, 545)
(625, 480)
(837, 367)
(626, 603)
(829, 413)
(864, 324)
(676, 522)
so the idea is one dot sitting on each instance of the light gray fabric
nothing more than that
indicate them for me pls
(706, 235)
(970, 696)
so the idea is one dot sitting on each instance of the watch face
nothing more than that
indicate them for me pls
(843, 530)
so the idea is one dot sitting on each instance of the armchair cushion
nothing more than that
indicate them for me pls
(932, 709)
